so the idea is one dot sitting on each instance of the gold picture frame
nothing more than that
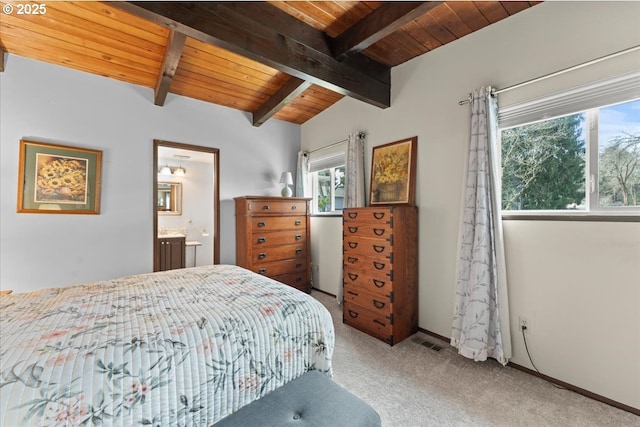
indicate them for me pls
(393, 171)
(58, 179)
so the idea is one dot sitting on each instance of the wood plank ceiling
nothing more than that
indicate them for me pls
(286, 60)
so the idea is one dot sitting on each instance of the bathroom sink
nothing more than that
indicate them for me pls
(168, 235)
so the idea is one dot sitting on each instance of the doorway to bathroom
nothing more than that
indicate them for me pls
(186, 202)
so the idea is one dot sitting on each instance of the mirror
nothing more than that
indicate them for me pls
(169, 198)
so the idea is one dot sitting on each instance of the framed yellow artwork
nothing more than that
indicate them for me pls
(393, 171)
(58, 179)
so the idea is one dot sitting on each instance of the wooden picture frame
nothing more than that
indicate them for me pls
(393, 172)
(58, 179)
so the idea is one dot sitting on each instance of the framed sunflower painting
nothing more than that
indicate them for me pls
(393, 172)
(58, 179)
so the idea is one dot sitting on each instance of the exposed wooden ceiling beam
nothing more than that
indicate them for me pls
(172, 54)
(383, 21)
(287, 93)
(219, 24)
(292, 27)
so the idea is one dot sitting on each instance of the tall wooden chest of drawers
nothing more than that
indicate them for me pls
(380, 247)
(272, 238)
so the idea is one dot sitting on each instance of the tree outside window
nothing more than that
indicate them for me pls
(545, 164)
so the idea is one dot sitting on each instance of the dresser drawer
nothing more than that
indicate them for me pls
(365, 246)
(374, 282)
(379, 265)
(378, 216)
(376, 324)
(276, 238)
(277, 253)
(278, 268)
(296, 280)
(278, 207)
(375, 231)
(380, 304)
(265, 223)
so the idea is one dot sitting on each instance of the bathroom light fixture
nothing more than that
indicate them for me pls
(287, 180)
(172, 170)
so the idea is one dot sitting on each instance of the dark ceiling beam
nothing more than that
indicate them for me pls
(263, 12)
(224, 26)
(287, 93)
(172, 54)
(1, 59)
(292, 27)
(383, 21)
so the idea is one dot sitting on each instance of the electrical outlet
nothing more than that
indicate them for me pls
(523, 322)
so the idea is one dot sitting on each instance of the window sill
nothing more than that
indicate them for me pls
(594, 216)
(327, 215)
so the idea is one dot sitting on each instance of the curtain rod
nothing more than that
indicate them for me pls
(327, 146)
(557, 73)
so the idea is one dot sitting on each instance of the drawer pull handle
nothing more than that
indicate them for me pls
(262, 271)
(378, 231)
(262, 255)
(261, 239)
(353, 229)
(353, 314)
(379, 323)
(378, 248)
(352, 276)
(353, 245)
(265, 207)
(298, 222)
(298, 251)
(352, 260)
(378, 283)
(261, 224)
(378, 215)
(294, 207)
(298, 279)
(353, 215)
(379, 265)
(355, 294)
(378, 304)
(298, 237)
(298, 265)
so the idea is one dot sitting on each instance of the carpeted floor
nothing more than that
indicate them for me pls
(411, 385)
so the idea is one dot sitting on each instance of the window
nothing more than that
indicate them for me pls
(328, 190)
(327, 178)
(617, 156)
(575, 151)
(587, 161)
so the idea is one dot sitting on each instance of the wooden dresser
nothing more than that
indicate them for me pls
(380, 247)
(272, 238)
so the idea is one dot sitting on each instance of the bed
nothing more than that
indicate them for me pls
(178, 348)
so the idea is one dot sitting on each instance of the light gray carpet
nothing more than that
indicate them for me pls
(411, 385)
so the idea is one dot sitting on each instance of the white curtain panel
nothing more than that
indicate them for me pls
(302, 175)
(481, 318)
(354, 182)
(354, 171)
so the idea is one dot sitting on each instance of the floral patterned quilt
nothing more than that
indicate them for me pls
(179, 348)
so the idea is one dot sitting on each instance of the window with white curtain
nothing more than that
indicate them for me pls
(327, 178)
(574, 151)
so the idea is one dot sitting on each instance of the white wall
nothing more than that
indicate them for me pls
(326, 264)
(53, 104)
(578, 283)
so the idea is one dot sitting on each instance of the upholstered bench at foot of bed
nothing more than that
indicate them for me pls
(312, 400)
